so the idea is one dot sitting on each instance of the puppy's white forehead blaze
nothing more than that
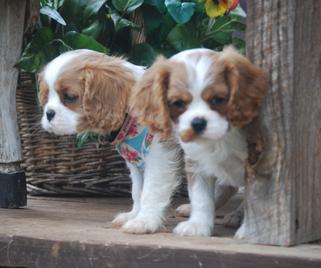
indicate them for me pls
(198, 62)
(53, 69)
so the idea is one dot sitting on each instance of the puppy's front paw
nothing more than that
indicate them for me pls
(122, 218)
(142, 225)
(183, 210)
(193, 228)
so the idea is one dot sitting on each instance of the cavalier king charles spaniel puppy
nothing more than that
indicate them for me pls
(206, 98)
(83, 90)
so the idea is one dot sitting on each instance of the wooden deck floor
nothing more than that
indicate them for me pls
(76, 232)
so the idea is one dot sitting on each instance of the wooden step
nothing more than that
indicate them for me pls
(76, 232)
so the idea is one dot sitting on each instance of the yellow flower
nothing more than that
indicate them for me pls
(217, 8)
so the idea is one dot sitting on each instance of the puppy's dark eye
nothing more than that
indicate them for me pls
(179, 104)
(217, 101)
(69, 98)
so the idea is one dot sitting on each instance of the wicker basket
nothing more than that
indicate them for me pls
(54, 165)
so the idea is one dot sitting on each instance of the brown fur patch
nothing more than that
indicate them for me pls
(153, 98)
(149, 101)
(188, 135)
(247, 84)
(43, 90)
(218, 90)
(177, 92)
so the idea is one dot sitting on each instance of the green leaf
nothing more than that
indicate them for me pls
(40, 39)
(152, 18)
(61, 46)
(180, 12)
(227, 24)
(143, 54)
(52, 13)
(79, 13)
(239, 44)
(157, 38)
(238, 12)
(127, 5)
(183, 37)
(38, 51)
(223, 29)
(93, 29)
(82, 138)
(159, 4)
(78, 41)
(121, 23)
(222, 37)
(92, 7)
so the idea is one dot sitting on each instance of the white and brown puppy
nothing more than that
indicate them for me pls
(206, 97)
(84, 91)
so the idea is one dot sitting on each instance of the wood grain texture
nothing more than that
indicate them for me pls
(40, 253)
(76, 232)
(12, 14)
(284, 187)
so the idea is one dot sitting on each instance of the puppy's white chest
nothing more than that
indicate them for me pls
(223, 159)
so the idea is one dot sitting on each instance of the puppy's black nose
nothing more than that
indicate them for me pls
(198, 124)
(50, 114)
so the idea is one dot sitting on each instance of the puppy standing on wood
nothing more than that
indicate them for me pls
(84, 91)
(205, 98)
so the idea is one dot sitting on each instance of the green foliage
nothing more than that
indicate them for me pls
(52, 13)
(85, 137)
(181, 12)
(78, 40)
(126, 6)
(105, 25)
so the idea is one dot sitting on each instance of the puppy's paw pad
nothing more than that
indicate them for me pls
(183, 210)
(142, 226)
(193, 228)
(122, 218)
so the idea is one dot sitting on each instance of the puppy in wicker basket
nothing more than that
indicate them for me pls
(205, 98)
(84, 91)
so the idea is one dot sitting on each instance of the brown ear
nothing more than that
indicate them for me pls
(43, 90)
(105, 99)
(247, 84)
(149, 100)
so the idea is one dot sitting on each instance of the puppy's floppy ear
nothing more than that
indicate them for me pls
(105, 99)
(149, 101)
(247, 84)
(43, 90)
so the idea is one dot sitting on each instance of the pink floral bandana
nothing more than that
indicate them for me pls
(133, 142)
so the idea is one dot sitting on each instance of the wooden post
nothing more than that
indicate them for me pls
(12, 178)
(284, 186)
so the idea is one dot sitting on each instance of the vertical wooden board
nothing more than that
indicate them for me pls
(305, 166)
(283, 187)
(268, 210)
(11, 24)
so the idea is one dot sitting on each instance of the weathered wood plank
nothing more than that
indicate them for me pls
(284, 187)
(12, 179)
(39, 253)
(12, 13)
(73, 232)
